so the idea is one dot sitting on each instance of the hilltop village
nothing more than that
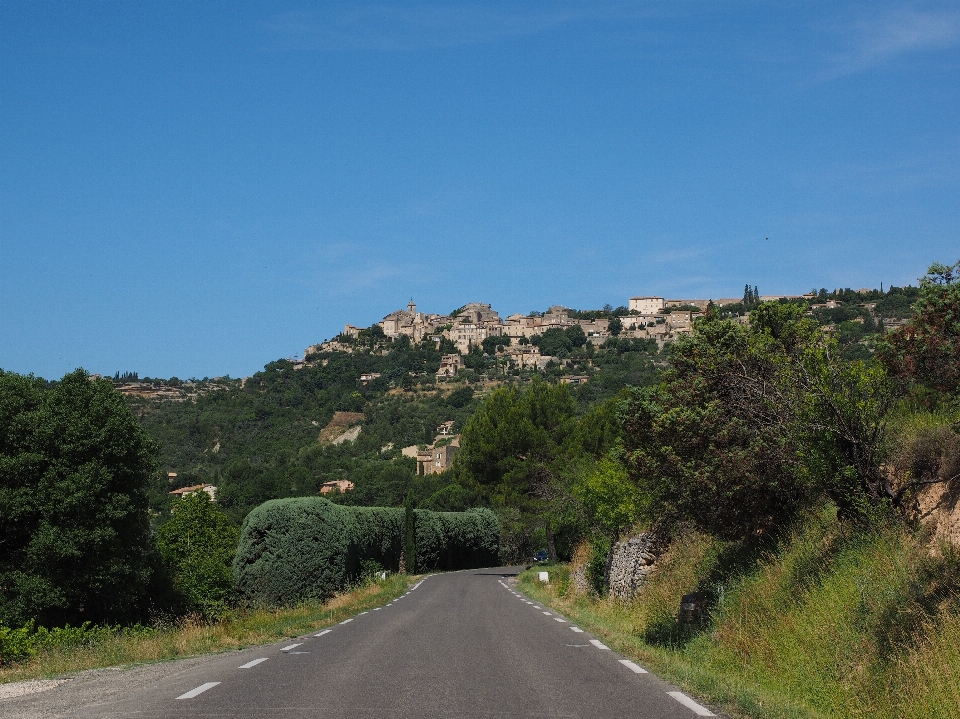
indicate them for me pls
(478, 325)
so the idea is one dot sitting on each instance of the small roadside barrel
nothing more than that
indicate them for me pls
(693, 608)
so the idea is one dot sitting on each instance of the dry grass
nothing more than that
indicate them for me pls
(190, 638)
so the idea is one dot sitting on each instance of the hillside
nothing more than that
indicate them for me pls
(260, 438)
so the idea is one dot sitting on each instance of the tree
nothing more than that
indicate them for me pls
(927, 349)
(521, 450)
(612, 502)
(494, 342)
(615, 326)
(554, 341)
(753, 423)
(74, 529)
(197, 547)
(576, 335)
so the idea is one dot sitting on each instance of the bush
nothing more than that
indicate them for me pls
(307, 548)
(27, 641)
(197, 547)
(456, 540)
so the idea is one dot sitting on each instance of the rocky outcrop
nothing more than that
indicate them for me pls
(631, 562)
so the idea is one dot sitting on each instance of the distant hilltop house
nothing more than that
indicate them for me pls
(337, 485)
(450, 365)
(434, 460)
(646, 305)
(184, 491)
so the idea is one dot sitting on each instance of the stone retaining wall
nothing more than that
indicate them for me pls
(631, 562)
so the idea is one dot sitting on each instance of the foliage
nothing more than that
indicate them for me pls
(74, 530)
(701, 449)
(611, 501)
(493, 343)
(754, 422)
(456, 540)
(510, 442)
(197, 547)
(927, 349)
(29, 640)
(304, 549)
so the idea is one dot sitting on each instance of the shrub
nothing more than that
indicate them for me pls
(307, 548)
(456, 540)
(197, 547)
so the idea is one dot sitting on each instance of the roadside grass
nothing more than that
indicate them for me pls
(189, 637)
(824, 623)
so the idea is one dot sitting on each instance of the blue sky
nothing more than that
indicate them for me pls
(196, 189)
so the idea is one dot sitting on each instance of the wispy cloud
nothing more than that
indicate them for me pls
(883, 36)
(385, 27)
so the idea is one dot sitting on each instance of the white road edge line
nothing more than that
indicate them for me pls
(199, 690)
(690, 704)
(578, 630)
(558, 619)
(636, 668)
(292, 646)
(598, 644)
(325, 631)
(548, 614)
(347, 621)
(251, 665)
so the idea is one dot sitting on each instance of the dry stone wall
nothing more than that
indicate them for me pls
(631, 562)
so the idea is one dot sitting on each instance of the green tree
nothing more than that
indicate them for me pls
(197, 547)
(612, 502)
(554, 341)
(753, 423)
(74, 529)
(615, 326)
(927, 349)
(576, 335)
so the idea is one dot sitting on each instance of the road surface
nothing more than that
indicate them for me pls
(463, 644)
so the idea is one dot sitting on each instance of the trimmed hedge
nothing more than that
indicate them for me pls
(456, 540)
(307, 548)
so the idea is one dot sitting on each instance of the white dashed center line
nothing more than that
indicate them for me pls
(200, 690)
(690, 704)
(633, 667)
(251, 665)
(598, 644)
(325, 631)
(292, 646)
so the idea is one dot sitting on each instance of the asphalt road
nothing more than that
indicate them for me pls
(464, 644)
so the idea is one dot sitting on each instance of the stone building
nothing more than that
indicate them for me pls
(646, 305)
(435, 460)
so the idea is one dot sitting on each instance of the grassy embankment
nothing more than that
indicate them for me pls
(824, 623)
(190, 638)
